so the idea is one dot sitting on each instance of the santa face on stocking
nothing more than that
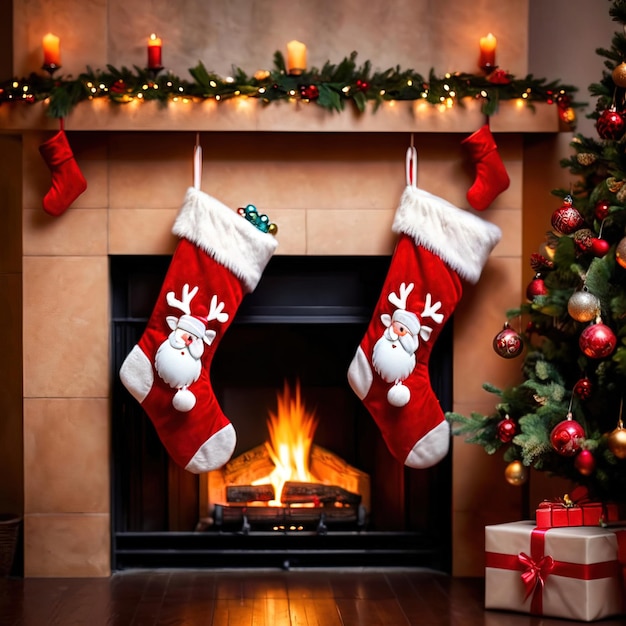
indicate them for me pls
(394, 354)
(178, 360)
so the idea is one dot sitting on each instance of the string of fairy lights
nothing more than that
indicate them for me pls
(332, 87)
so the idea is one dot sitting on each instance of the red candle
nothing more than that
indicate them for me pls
(154, 52)
(487, 51)
(51, 50)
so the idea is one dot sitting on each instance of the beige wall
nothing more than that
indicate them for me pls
(332, 192)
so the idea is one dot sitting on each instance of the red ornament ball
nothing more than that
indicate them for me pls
(506, 430)
(599, 247)
(601, 210)
(566, 219)
(597, 341)
(583, 388)
(566, 437)
(507, 343)
(535, 288)
(310, 92)
(611, 124)
(585, 462)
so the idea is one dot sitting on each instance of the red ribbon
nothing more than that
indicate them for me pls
(535, 572)
(537, 567)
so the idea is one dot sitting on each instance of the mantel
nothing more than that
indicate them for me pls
(247, 114)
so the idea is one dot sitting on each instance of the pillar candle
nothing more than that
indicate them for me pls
(154, 52)
(487, 51)
(296, 57)
(51, 50)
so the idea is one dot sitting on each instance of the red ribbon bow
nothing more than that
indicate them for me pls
(536, 572)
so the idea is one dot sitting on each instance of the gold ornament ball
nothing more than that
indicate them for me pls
(583, 306)
(620, 252)
(617, 442)
(516, 473)
(619, 75)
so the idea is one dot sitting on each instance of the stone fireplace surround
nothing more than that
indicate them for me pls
(331, 183)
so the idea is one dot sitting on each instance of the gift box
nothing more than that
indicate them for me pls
(573, 572)
(567, 513)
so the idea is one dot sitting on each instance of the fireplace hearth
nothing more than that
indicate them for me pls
(303, 322)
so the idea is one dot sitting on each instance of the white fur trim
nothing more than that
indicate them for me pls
(225, 236)
(214, 452)
(431, 448)
(463, 240)
(360, 375)
(137, 374)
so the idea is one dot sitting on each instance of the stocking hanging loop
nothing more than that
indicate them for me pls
(197, 163)
(411, 166)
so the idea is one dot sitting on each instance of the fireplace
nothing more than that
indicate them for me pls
(302, 323)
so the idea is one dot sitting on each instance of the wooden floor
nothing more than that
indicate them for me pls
(335, 597)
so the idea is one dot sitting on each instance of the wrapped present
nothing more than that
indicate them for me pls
(574, 572)
(576, 510)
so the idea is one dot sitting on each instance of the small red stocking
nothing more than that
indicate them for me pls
(68, 181)
(491, 176)
(220, 257)
(439, 244)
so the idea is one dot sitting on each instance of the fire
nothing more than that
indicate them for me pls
(291, 431)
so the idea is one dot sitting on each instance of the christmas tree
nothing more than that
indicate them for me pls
(565, 417)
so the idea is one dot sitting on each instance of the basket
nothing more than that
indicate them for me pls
(9, 528)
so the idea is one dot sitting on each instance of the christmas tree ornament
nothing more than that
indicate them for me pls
(614, 184)
(601, 209)
(620, 252)
(68, 181)
(540, 263)
(583, 388)
(491, 176)
(438, 245)
(583, 306)
(506, 429)
(619, 75)
(516, 473)
(585, 462)
(583, 239)
(508, 343)
(611, 124)
(567, 436)
(219, 258)
(599, 247)
(597, 341)
(566, 219)
(616, 441)
(586, 158)
(536, 287)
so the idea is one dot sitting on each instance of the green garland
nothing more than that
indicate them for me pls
(331, 87)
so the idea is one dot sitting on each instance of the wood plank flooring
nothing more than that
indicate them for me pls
(333, 597)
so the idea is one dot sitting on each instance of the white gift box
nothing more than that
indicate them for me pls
(571, 572)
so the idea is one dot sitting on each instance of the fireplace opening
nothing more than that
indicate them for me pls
(301, 326)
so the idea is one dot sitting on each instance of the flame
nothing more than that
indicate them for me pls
(291, 431)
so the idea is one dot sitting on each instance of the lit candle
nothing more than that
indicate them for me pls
(488, 51)
(296, 57)
(51, 51)
(154, 52)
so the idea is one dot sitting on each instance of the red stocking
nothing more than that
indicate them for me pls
(68, 181)
(219, 258)
(439, 244)
(491, 176)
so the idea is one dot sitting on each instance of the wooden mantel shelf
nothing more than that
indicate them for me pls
(246, 115)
